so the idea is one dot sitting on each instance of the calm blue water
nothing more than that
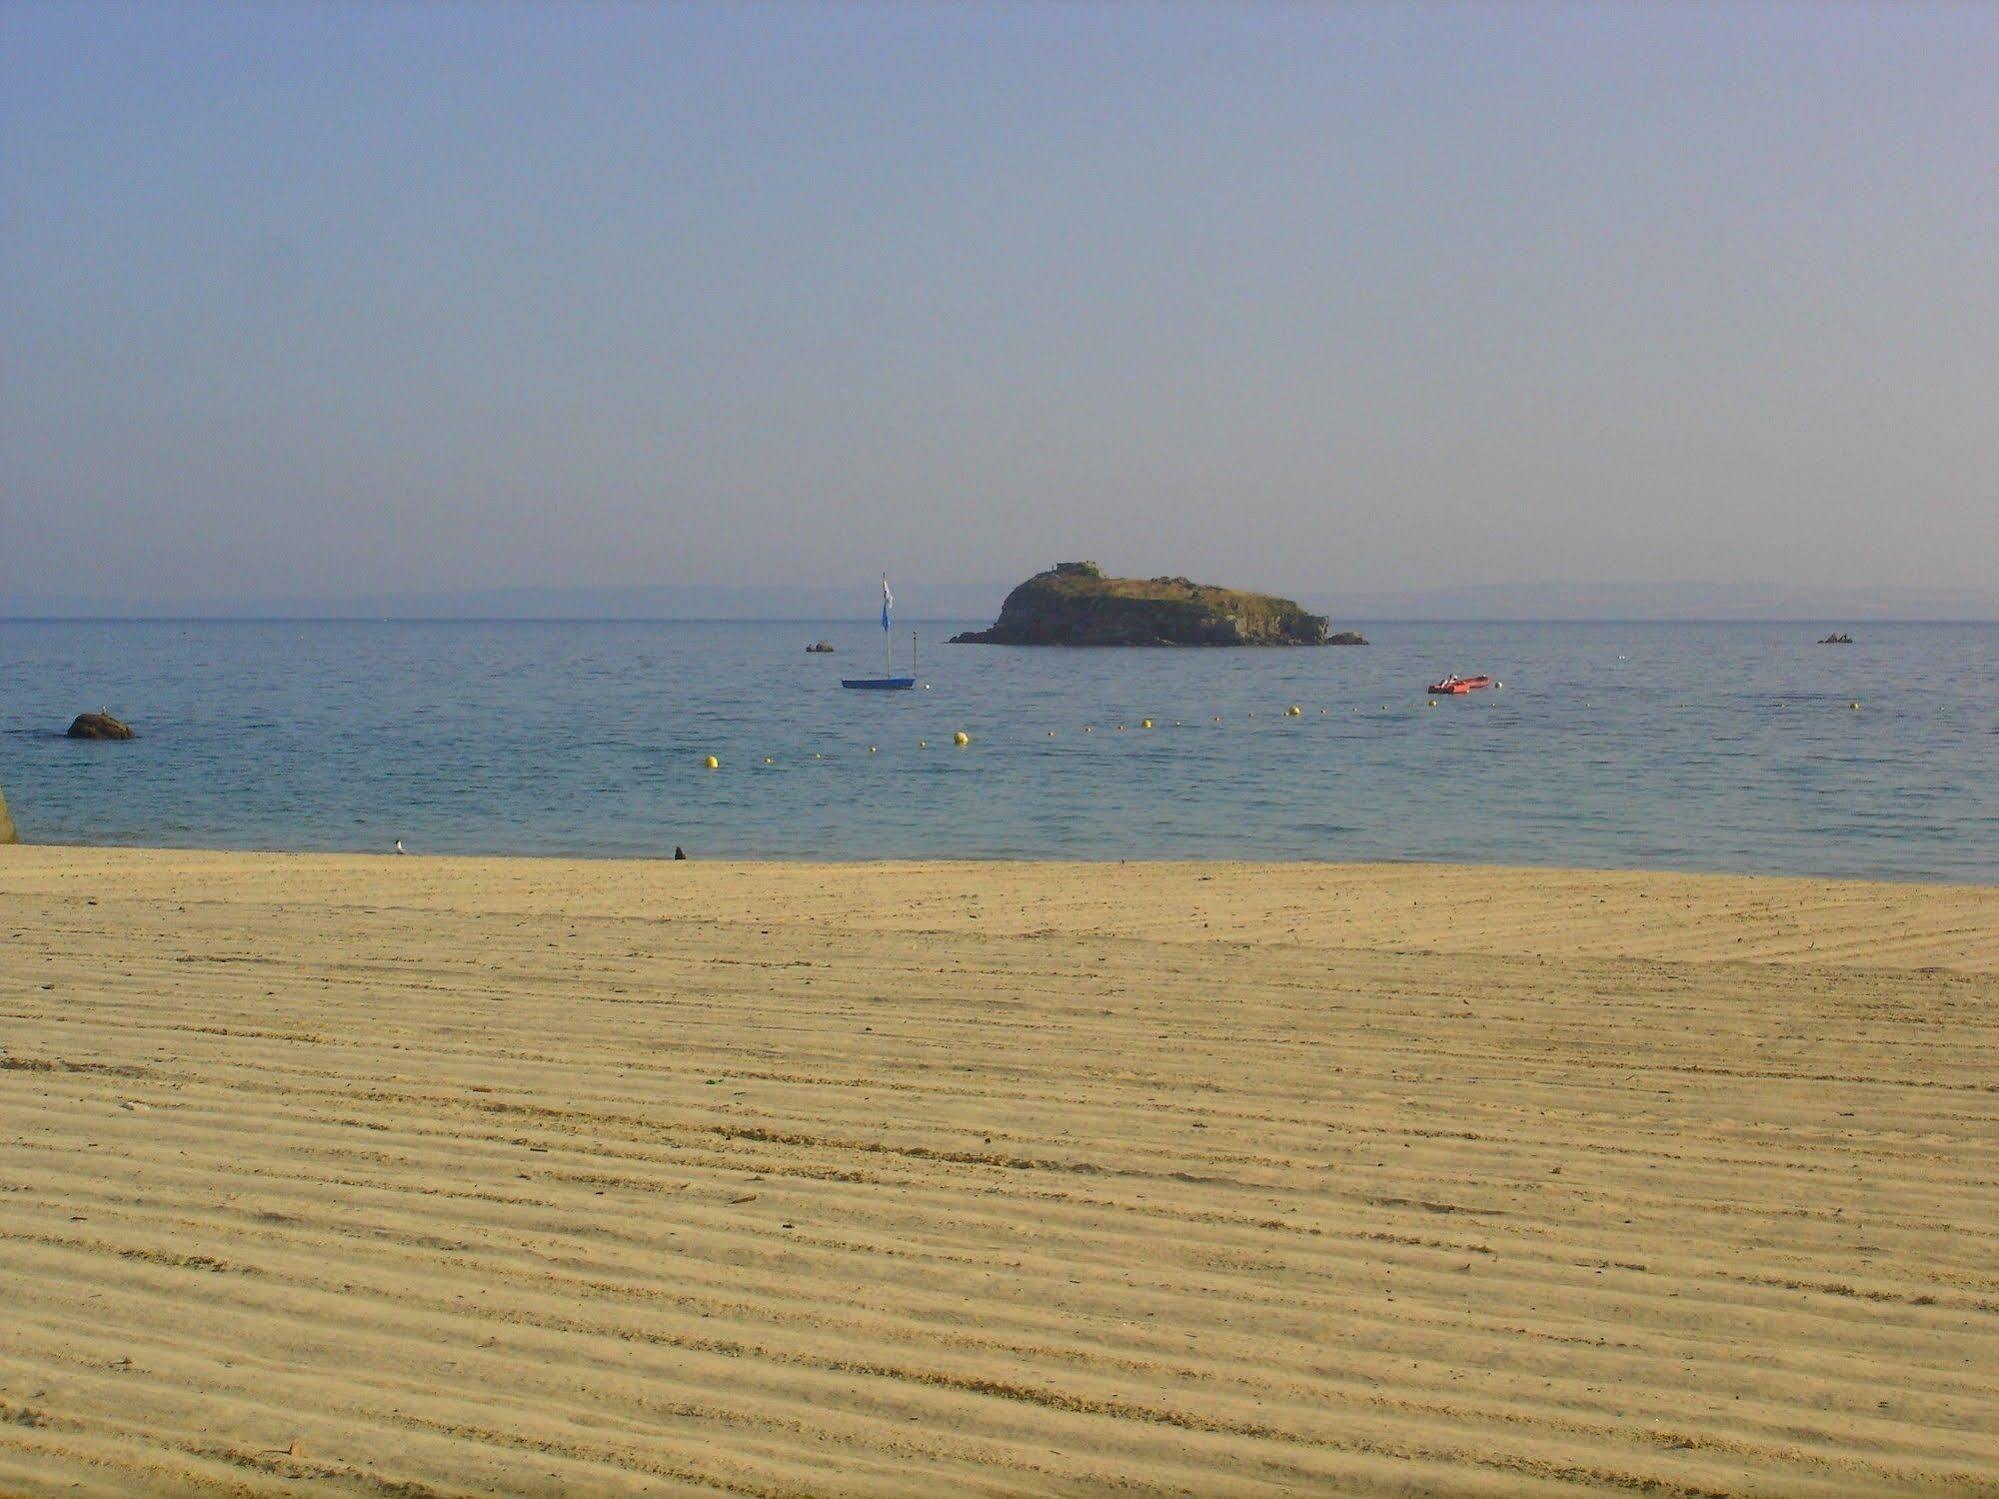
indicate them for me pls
(1725, 747)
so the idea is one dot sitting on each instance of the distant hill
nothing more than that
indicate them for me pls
(916, 600)
(1667, 601)
(861, 600)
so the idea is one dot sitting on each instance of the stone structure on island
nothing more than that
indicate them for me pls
(99, 726)
(1073, 603)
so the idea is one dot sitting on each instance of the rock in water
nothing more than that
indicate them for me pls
(99, 726)
(1347, 637)
(1073, 603)
(7, 832)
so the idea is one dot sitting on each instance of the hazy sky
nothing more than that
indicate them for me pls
(335, 298)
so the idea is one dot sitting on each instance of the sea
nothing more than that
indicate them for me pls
(1699, 746)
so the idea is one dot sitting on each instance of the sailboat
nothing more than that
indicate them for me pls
(887, 681)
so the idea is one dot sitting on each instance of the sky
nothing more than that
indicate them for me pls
(323, 299)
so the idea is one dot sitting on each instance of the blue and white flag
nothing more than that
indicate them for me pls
(888, 601)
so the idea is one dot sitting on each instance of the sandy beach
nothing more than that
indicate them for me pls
(428, 1176)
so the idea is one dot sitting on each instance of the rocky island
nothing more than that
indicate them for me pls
(1073, 603)
(99, 726)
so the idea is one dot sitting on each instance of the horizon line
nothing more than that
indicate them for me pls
(815, 619)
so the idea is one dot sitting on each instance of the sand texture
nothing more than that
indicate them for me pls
(378, 1176)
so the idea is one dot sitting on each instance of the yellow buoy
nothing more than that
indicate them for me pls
(1294, 711)
(767, 759)
(961, 738)
(871, 749)
(712, 763)
(1145, 723)
(923, 744)
(1853, 705)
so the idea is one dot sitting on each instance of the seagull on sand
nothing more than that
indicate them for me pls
(399, 847)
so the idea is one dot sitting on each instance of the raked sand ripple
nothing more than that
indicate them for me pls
(328, 1175)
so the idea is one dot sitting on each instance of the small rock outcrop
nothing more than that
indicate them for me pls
(1073, 603)
(1347, 637)
(820, 648)
(99, 726)
(8, 834)
(1838, 637)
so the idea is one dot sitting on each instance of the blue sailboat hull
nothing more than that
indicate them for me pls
(880, 684)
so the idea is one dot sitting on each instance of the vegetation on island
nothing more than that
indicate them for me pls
(1073, 603)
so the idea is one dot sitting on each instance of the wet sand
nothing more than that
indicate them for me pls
(328, 1175)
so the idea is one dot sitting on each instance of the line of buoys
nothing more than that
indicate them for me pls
(962, 739)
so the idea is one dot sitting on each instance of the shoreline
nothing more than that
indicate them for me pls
(531, 1174)
(1039, 860)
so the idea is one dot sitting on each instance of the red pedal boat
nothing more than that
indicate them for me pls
(1456, 684)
